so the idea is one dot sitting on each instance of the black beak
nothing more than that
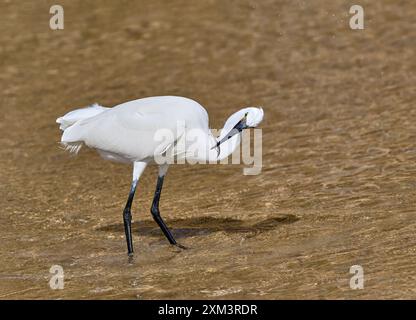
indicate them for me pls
(240, 126)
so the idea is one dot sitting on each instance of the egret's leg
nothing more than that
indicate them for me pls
(137, 171)
(127, 218)
(155, 207)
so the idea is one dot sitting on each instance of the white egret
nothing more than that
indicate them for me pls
(128, 133)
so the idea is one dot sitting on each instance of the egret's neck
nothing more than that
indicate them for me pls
(225, 149)
(228, 147)
(205, 149)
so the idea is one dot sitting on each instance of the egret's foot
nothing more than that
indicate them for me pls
(130, 257)
(180, 246)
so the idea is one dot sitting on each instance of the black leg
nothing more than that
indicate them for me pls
(127, 219)
(156, 214)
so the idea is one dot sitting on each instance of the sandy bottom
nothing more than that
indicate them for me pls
(338, 183)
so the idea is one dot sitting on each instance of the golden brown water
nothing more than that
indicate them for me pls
(338, 183)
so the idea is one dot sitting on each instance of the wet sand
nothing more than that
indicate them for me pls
(338, 183)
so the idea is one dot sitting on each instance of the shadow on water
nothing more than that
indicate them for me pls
(189, 227)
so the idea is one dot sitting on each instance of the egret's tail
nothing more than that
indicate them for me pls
(71, 118)
(79, 114)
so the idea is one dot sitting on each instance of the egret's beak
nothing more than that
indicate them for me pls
(242, 124)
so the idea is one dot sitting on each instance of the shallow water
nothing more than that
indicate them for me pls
(338, 181)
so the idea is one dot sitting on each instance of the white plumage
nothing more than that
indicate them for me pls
(135, 132)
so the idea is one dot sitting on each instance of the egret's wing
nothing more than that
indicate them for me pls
(127, 132)
(140, 129)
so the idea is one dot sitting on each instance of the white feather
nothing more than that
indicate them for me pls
(127, 131)
(73, 117)
(79, 114)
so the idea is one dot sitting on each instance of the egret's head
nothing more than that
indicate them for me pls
(253, 116)
(244, 119)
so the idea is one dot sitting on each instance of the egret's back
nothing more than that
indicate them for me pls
(127, 131)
